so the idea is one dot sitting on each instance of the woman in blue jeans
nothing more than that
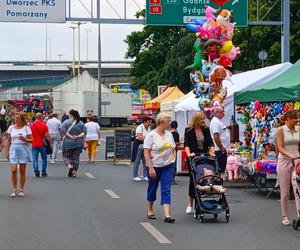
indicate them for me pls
(160, 155)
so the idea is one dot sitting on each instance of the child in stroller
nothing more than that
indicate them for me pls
(210, 183)
(209, 190)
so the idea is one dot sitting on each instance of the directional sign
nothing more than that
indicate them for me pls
(33, 11)
(183, 12)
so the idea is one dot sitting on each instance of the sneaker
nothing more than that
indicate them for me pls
(52, 161)
(37, 174)
(44, 175)
(146, 178)
(286, 221)
(189, 210)
(137, 178)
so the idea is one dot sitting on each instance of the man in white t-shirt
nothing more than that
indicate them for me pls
(55, 133)
(140, 134)
(220, 136)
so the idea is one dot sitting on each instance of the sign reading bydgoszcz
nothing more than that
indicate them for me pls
(183, 12)
(33, 11)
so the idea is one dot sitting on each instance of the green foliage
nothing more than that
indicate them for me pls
(162, 53)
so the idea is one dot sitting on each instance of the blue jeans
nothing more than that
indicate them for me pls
(139, 156)
(35, 159)
(164, 175)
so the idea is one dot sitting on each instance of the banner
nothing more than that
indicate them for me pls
(33, 11)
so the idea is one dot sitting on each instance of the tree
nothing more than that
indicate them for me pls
(162, 53)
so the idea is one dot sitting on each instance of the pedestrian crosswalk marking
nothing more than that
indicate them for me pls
(112, 194)
(90, 175)
(155, 233)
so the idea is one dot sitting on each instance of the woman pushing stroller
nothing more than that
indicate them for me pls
(197, 140)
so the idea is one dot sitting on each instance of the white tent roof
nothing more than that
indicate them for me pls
(170, 105)
(82, 82)
(245, 80)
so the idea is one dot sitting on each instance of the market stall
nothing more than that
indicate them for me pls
(260, 110)
(169, 94)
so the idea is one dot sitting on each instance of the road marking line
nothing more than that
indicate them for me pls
(112, 194)
(90, 175)
(155, 233)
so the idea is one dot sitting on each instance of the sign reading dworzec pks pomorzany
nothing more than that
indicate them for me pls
(33, 11)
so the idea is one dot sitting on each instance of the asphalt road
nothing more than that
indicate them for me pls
(65, 213)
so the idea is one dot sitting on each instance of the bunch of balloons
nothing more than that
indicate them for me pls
(214, 53)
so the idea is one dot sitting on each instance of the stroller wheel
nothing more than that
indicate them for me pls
(227, 218)
(201, 218)
(295, 224)
(215, 216)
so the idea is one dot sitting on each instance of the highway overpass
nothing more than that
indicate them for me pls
(39, 76)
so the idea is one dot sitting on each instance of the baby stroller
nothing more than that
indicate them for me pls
(296, 187)
(207, 202)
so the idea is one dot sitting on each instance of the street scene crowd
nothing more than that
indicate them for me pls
(209, 156)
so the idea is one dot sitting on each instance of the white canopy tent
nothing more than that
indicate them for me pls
(169, 106)
(242, 81)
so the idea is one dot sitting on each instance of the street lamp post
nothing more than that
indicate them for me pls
(79, 24)
(87, 43)
(73, 64)
(46, 43)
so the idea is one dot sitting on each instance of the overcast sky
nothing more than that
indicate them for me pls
(27, 41)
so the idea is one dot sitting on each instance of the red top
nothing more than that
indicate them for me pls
(39, 129)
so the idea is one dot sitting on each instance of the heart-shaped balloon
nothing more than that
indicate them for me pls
(220, 2)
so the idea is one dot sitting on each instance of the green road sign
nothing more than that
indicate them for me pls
(183, 12)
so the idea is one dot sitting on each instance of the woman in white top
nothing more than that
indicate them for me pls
(18, 152)
(160, 155)
(92, 137)
(287, 142)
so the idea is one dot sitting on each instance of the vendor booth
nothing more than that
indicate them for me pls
(261, 109)
(241, 81)
(169, 94)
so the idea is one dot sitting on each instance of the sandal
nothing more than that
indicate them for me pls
(21, 193)
(14, 193)
(151, 216)
(74, 173)
(169, 219)
(285, 221)
(70, 173)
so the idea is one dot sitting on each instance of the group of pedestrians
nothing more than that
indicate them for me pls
(158, 147)
(160, 154)
(25, 143)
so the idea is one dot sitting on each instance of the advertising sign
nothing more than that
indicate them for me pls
(183, 12)
(33, 11)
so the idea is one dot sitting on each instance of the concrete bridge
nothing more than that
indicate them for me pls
(39, 76)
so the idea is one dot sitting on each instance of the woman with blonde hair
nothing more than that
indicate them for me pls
(19, 137)
(287, 144)
(197, 140)
(160, 155)
(92, 137)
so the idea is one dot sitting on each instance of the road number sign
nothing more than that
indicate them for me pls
(183, 12)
